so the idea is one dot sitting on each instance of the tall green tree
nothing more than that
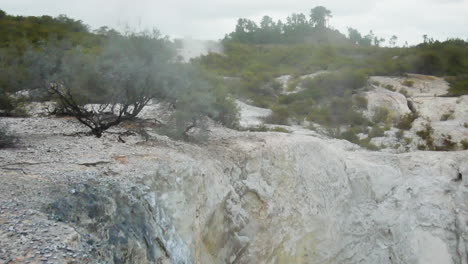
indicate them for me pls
(393, 40)
(354, 36)
(319, 16)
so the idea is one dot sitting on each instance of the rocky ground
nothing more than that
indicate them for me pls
(421, 96)
(425, 97)
(240, 197)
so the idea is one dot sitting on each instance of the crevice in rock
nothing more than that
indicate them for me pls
(123, 221)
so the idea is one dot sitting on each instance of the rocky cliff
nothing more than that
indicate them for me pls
(240, 197)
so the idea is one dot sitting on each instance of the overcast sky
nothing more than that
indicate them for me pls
(211, 19)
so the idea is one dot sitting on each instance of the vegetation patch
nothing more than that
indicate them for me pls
(447, 116)
(427, 135)
(464, 144)
(406, 121)
(7, 139)
(447, 144)
(390, 87)
(408, 83)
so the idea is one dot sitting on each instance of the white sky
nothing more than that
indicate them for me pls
(211, 19)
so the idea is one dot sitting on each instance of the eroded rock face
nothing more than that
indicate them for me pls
(423, 97)
(395, 102)
(238, 198)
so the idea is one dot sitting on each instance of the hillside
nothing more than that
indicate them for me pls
(289, 142)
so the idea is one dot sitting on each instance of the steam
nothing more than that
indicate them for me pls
(192, 48)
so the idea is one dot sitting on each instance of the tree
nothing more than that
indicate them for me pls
(354, 36)
(319, 16)
(377, 41)
(102, 90)
(195, 95)
(368, 39)
(245, 31)
(393, 41)
(267, 23)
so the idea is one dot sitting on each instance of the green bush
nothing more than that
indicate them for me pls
(7, 140)
(280, 115)
(259, 128)
(428, 62)
(361, 102)
(320, 115)
(381, 115)
(350, 135)
(447, 116)
(464, 144)
(263, 128)
(408, 140)
(404, 92)
(426, 135)
(334, 84)
(376, 131)
(390, 87)
(280, 130)
(367, 144)
(406, 121)
(408, 83)
(400, 134)
(7, 104)
(447, 144)
(459, 87)
(293, 83)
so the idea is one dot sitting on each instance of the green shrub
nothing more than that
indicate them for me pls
(259, 128)
(426, 134)
(10, 106)
(293, 83)
(350, 135)
(408, 83)
(428, 62)
(400, 134)
(280, 115)
(336, 84)
(422, 147)
(361, 102)
(6, 103)
(376, 131)
(459, 87)
(381, 115)
(263, 128)
(404, 92)
(464, 144)
(408, 140)
(465, 125)
(447, 144)
(406, 121)
(280, 130)
(367, 144)
(319, 115)
(6, 138)
(390, 87)
(447, 116)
